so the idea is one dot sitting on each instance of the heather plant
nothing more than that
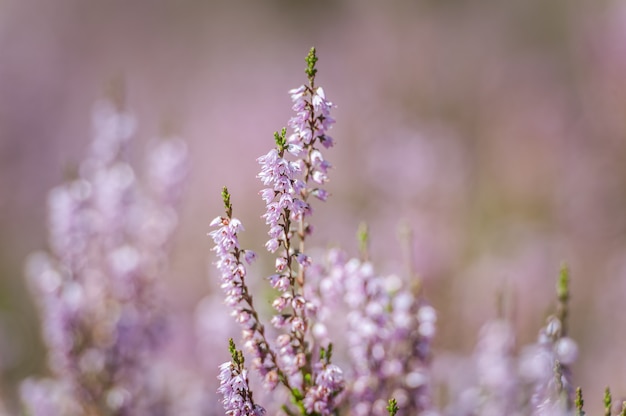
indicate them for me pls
(383, 346)
(292, 172)
(98, 286)
(344, 338)
(389, 326)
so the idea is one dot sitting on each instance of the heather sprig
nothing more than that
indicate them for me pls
(291, 172)
(231, 262)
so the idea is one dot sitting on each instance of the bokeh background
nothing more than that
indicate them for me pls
(495, 130)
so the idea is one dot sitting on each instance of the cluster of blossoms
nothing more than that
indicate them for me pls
(389, 332)
(498, 386)
(98, 287)
(385, 341)
(289, 186)
(537, 382)
(233, 272)
(103, 320)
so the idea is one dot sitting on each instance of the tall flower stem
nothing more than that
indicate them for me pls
(291, 172)
(230, 262)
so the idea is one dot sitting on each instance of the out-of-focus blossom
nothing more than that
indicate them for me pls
(497, 376)
(98, 288)
(541, 366)
(388, 336)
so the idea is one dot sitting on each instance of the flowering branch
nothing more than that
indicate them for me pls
(230, 263)
(291, 172)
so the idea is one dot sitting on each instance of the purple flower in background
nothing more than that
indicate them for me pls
(546, 364)
(98, 289)
(496, 370)
(389, 333)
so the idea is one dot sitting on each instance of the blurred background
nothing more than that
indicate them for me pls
(495, 130)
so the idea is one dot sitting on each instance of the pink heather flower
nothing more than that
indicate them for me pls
(320, 177)
(249, 256)
(280, 174)
(320, 104)
(281, 263)
(321, 194)
(271, 380)
(281, 302)
(566, 350)
(272, 245)
(280, 282)
(279, 321)
(294, 149)
(298, 324)
(297, 95)
(303, 260)
(287, 354)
